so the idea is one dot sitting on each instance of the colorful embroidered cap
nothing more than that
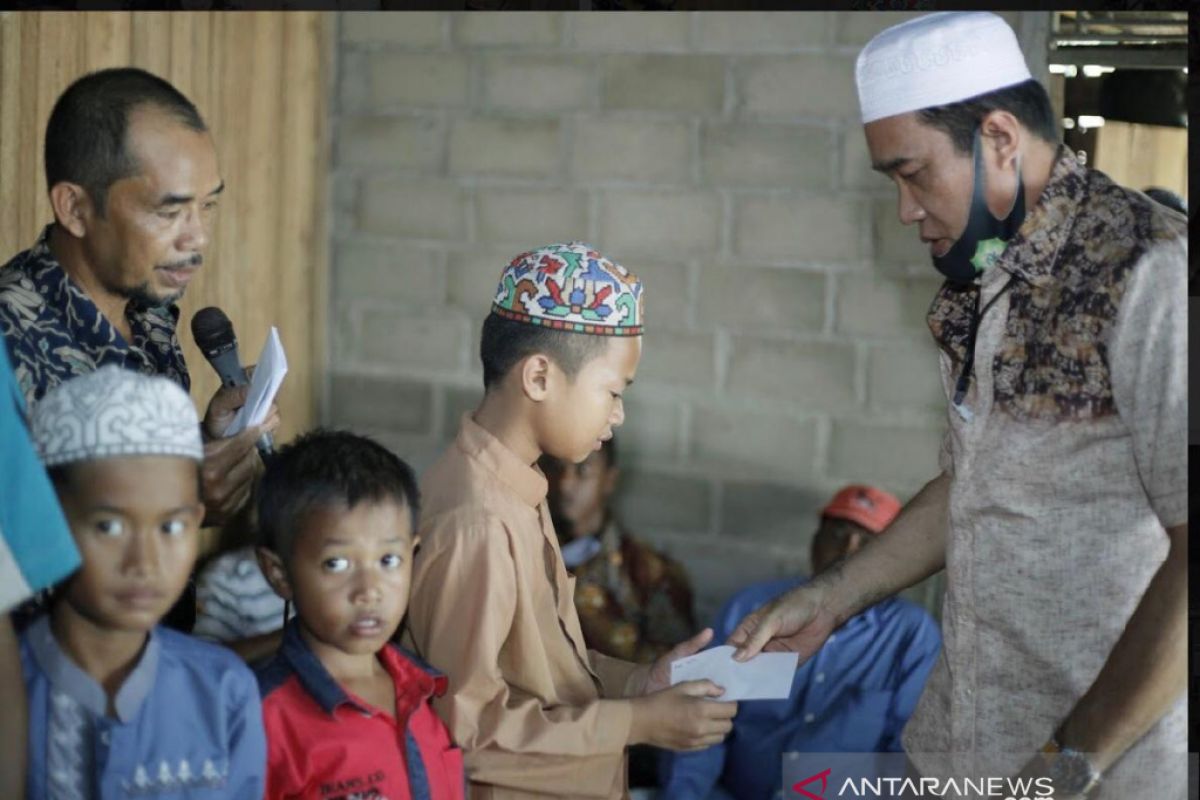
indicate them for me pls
(872, 508)
(571, 287)
(115, 412)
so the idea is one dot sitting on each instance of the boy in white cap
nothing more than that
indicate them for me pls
(1060, 513)
(118, 705)
(492, 605)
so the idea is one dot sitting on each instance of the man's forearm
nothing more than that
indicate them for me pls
(910, 550)
(1146, 671)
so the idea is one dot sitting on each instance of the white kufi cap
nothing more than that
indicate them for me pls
(115, 412)
(937, 59)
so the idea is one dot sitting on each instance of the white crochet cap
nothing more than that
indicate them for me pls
(115, 412)
(937, 59)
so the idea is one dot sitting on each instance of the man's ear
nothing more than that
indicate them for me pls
(72, 207)
(536, 377)
(273, 570)
(1003, 135)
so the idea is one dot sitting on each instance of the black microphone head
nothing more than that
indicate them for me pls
(213, 331)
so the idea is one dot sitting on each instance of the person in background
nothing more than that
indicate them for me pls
(236, 606)
(1167, 198)
(855, 695)
(634, 603)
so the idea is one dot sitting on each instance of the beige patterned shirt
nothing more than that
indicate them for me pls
(1071, 465)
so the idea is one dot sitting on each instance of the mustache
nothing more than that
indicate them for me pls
(192, 261)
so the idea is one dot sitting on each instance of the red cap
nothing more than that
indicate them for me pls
(872, 508)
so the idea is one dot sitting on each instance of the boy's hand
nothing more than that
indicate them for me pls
(681, 717)
(657, 676)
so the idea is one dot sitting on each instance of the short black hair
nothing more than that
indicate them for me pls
(86, 135)
(1027, 101)
(505, 342)
(326, 468)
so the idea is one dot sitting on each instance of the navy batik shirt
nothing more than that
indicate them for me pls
(54, 331)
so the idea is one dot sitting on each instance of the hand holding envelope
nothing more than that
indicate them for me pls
(767, 676)
(264, 384)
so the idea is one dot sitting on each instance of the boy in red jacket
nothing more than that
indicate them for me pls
(347, 712)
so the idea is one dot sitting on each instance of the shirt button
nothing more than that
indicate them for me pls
(832, 637)
(820, 677)
(104, 738)
(809, 717)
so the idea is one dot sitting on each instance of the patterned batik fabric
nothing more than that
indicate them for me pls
(571, 287)
(634, 603)
(1070, 260)
(69, 746)
(54, 331)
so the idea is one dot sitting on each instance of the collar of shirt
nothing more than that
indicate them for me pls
(580, 551)
(68, 678)
(1034, 250)
(526, 481)
(1031, 255)
(90, 329)
(415, 680)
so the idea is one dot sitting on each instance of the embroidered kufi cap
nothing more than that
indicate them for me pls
(115, 412)
(937, 59)
(571, 287)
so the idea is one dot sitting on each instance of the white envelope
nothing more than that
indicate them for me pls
(767, 676)
(268, 376)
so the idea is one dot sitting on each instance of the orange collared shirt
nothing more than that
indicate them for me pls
(492, 607)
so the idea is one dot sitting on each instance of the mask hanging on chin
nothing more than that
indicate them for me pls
(985, 237)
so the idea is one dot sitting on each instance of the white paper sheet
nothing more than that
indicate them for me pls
(767, 676)
(268, 376)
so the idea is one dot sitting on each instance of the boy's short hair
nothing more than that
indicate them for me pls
(505, 342)
(325, 468)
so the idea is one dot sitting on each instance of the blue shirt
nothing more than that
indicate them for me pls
(36, 548)
(54, 331)
(854, 695)
(188, 723)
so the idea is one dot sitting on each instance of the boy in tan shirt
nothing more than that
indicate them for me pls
(492, 604)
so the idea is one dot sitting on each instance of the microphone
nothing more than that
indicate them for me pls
(214, 335)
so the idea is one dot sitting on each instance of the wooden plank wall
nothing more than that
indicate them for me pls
(1140, 156)
(261, 82)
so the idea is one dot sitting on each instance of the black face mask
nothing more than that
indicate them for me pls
(985, 237)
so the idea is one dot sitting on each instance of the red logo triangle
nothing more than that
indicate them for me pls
(824, 778)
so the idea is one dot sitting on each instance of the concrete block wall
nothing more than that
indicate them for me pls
(718, 156)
